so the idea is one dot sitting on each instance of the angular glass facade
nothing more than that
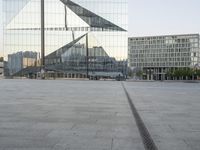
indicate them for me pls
(80, 35)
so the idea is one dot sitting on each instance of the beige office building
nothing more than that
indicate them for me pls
(155, 55)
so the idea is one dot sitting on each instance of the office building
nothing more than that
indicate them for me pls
(156, 55)
(81, 37)
(1, 66)
(20, 60)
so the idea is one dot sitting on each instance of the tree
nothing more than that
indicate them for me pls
(177, 73)
(1, 59)
(170, 73)
(181, 73)
(197, 73)
(188, 73)
(139, 73)
(130, 73)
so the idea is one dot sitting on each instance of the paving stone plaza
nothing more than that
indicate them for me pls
(95, 115)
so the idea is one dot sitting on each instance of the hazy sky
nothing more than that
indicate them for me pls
(155, 17)
(0, 26)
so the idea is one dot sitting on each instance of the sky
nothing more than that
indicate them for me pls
(1, 43)
(161, 17)
(157, 17)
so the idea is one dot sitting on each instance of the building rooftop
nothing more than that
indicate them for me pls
(167, 35)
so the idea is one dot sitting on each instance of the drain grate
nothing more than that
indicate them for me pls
(144, 133)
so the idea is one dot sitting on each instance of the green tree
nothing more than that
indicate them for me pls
(197, 73)
(139, 73)
(181, 73)
(1, 59)
(170, 73)
(178, 73)
(130, 73)
(188, 73)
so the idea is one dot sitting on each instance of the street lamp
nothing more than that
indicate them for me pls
(42, 38)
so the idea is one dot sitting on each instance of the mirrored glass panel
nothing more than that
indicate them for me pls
(84, 37)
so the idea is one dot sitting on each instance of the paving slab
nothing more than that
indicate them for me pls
(66, 115)
(170, 112)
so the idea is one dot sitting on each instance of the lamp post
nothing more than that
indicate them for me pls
(42, 38)
(87, 57)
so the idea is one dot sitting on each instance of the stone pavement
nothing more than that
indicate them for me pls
(170, 111)
(66, 115)
(95, 115)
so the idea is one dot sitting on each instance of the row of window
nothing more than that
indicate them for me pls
(163, 38)
(164, 46)
(161, 59)
(162, 42)
(164, 64)
(154, 51)
(162, 55)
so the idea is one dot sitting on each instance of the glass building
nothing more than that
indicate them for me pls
(156, 55)
(81, 36)
(1, 67)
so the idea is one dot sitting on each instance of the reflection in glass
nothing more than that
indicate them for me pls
(80, 35)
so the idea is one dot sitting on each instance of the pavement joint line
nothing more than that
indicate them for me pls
(112, 142)
(144, 133)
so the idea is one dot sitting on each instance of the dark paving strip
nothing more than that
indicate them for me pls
(144, 133)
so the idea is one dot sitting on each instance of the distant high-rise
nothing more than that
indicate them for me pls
(20, 60)
(1, 66)
(80, 35)
(156, 55)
